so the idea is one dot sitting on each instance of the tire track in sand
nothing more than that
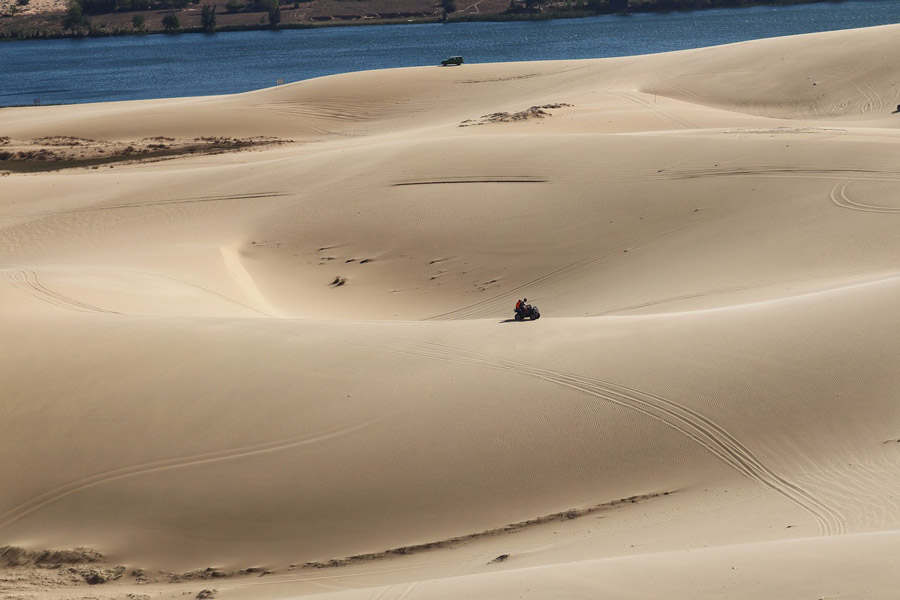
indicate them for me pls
(692, 424)
(58, 493)
(152, 203)
(780, 171)
(684, 420)
(839, 197)
(639, 99)
(27, 280)
(649, 303)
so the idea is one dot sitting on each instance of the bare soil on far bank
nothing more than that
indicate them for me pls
(43, 18)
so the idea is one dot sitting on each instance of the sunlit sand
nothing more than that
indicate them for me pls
(289, 368)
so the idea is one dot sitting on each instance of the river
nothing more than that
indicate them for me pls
(160, 66)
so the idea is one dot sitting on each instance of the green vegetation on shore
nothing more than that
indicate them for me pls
(101, 18)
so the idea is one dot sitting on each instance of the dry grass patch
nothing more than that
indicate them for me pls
(62, 152)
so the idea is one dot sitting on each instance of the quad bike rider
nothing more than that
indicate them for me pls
(526, 311)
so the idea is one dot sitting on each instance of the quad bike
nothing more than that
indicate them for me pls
(528, 312)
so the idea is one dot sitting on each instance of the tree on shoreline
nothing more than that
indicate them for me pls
(74, 17)
(208, 18)
(447, 7)
(170, 22)
(275, 13)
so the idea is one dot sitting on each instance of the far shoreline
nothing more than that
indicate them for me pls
(654, 7)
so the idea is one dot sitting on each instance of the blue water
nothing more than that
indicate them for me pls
(159, 66)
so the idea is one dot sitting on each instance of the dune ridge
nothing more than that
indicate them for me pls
(291, 369)
(572, 513)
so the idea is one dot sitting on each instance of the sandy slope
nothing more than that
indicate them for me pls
(303, 354)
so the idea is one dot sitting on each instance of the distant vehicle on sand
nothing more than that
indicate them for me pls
(453, 60)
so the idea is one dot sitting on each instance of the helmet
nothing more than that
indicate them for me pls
(524, 299)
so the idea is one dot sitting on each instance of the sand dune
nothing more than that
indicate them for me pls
(291, 370)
